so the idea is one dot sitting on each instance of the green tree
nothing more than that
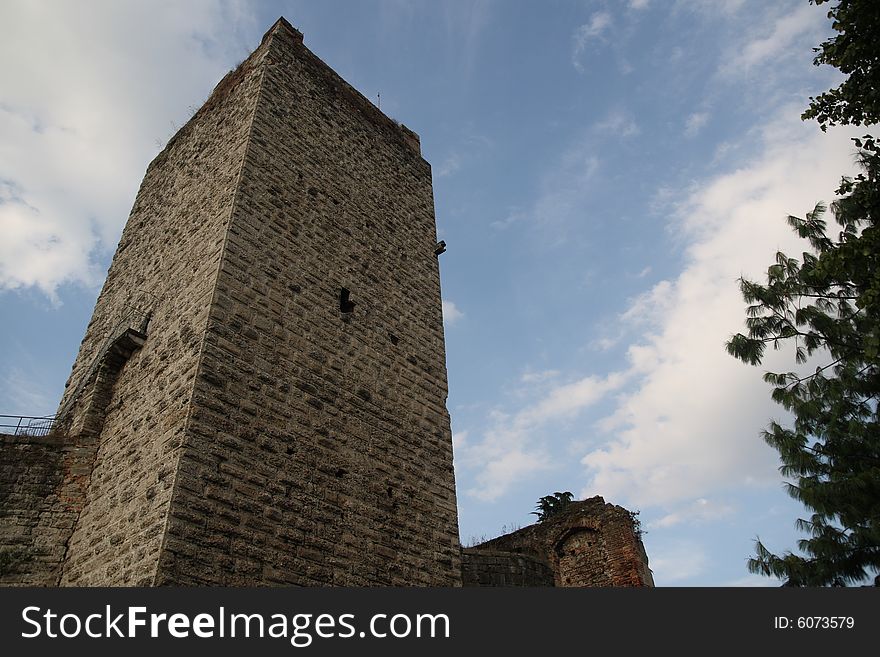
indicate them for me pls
(550, 505)
(855, 51)
(827, 305)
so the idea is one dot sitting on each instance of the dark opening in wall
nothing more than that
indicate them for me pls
(346, 305)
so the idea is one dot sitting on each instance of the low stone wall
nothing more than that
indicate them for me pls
(498, 568)
(43, 483)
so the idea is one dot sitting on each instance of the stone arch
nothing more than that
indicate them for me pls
(581, 558)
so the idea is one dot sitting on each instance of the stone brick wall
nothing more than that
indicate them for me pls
(166, 263)
(590, 543)
(43, 484)
(496, 568)
(267, 431)
(319, 450)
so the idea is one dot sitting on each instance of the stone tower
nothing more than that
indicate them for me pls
(264, 374)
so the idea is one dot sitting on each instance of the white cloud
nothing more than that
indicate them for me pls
(649, 308)
(80, 115)
(451, 313)
(506, 466)
(567, 400)
(24, 394)
(618, 123)
(677, 561)
(465, 22)
(511, 449)
(700, 510)
(469, 147)
(695, 123)
(722, 8)
(512, 217)
(539, 377)
(690, 426)
(449, 166)
(769, 49)
(753, 581)
(598, 23)
(605, 342)
(638, 4)
(565, 190)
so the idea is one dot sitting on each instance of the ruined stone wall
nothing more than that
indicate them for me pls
(43, 483)
(590, 543)
(319, 450)
(496, 568)
(166, 263)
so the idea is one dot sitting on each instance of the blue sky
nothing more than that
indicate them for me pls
(603, 173)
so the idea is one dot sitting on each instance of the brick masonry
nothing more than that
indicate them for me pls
(589, 543)
(166, 263)
(43, 483)
(498, 568)
(260, 396)
(319, 449)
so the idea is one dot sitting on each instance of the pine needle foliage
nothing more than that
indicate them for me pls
(550, 505)
(826, 304)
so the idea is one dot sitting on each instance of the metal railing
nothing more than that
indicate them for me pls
(26, 425)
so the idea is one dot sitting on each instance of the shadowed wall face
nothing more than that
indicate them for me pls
(497, 568)
(166, 264)
(43, 483)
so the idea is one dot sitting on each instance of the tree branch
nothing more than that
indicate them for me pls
(816, 373)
